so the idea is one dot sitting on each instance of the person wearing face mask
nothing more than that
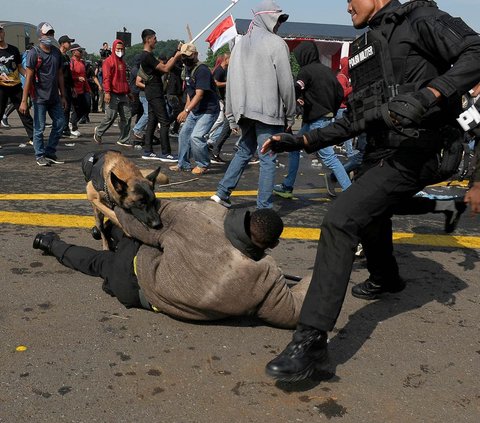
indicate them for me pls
(200, 113)
(117, 96)
(44, 82)
(260, 99)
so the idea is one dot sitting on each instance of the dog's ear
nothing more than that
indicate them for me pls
(119, 186)
(152, 177)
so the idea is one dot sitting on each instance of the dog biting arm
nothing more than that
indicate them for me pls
(136, 229)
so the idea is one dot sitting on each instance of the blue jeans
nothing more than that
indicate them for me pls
(254, 134)
(356, 160)
(55, 111)
(327, 155)
(191, 140)
(142, 122)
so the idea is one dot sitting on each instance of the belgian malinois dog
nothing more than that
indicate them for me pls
(113, 180)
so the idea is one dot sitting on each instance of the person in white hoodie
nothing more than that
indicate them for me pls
(260, 99)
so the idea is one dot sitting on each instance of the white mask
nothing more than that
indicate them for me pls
(119, 53)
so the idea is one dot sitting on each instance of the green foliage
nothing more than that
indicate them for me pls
(212, 57)
(294, 65)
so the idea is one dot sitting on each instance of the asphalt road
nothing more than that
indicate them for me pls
(410, 357)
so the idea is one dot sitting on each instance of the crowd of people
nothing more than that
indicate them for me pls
(398, 97)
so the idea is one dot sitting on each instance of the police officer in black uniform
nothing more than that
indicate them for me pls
(408, 74)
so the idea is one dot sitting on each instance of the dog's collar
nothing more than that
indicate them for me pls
(107, 195)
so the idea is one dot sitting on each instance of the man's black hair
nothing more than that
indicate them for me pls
(266, 226)
(147, 33)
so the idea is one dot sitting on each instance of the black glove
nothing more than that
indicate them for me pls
(407, 110)
(287, 142)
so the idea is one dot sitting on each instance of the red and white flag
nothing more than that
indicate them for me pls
(222, 34)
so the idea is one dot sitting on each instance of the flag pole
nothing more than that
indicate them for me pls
(234, 2)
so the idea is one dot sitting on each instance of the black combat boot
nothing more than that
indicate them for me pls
(44, 242)
(369, 290)
(301, 357)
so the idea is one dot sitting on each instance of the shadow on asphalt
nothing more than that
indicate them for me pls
(432, 283)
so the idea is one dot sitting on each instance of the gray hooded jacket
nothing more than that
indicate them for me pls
(260, 82)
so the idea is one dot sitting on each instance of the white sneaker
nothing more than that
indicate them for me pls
(225, 203)
(75, 133)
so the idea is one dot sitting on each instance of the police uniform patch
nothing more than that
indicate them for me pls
(457, 25)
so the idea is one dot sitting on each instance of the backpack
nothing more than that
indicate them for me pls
(146, 78)
(38, 65)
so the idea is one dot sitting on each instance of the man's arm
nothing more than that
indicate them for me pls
(282, 304)
(136, 229)
(170, 64)
(26, 90)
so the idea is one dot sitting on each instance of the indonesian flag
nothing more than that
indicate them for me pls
(222, 34)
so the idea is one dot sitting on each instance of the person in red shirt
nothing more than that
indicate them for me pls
(80, 88)
(117, 96)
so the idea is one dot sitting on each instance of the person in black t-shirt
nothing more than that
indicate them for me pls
(10, 85)
(201, 111)
(157, 111)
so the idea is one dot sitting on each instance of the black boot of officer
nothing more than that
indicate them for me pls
(370, 290)
(45, 241)
(301, 357)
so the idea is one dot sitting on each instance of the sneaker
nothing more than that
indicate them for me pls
(126, 143)
(138, 136)
(53, 159)
(68, 134)
(177, 168)
(150, 156)
(168, 158)
(48, 125)
(197, 170)
(75, 133)
(42, 161)
(307, 351)
(216, 159)
(452, 217)
(5, 123)
(328, 186)
(97, 138)
(225, 203)
(283, 191)
(30, 142)
(254, 161)
(369, 290)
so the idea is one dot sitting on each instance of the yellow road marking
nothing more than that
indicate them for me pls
(173, 194)
(309, 234)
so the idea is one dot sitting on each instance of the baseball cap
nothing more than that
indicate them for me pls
(76, 47)
(188, 49)
(44, 28)
(65, 39)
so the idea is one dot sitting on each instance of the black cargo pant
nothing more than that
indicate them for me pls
(114, 267)
(362, 214)
(157, 114)
(15, 95)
